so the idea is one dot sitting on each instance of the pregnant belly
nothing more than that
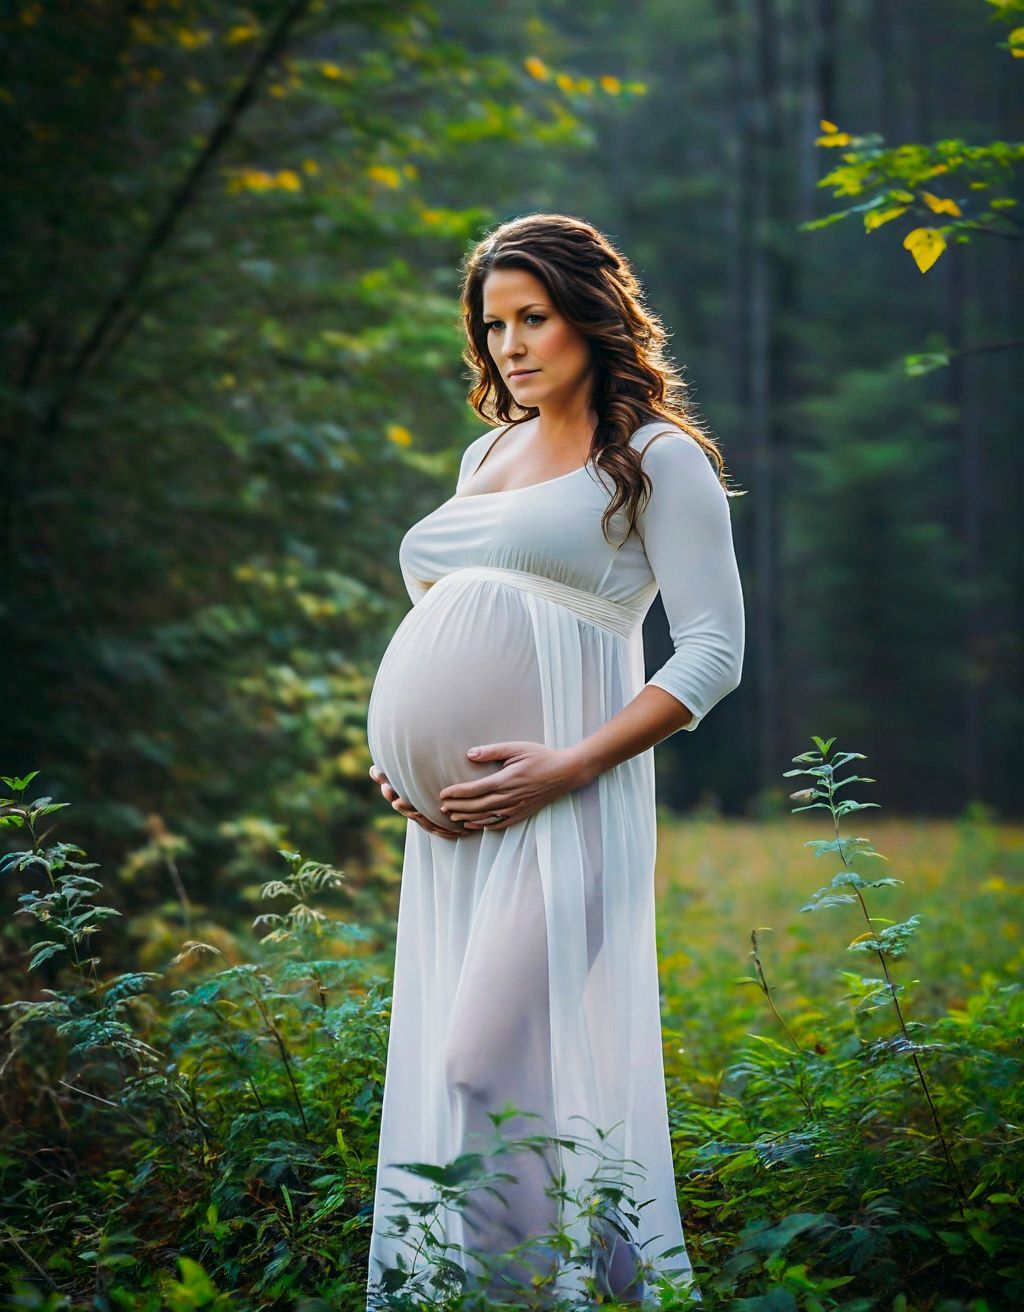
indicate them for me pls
(460, 671)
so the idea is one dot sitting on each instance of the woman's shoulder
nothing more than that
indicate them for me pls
(480, 443)
(677, 464)
(661, 435)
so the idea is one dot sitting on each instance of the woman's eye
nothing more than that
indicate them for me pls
(496, 323)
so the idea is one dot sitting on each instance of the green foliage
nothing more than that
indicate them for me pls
(606, 1205)
(894, 177)
(231, 371)
(213, 1129)
(205, 1135)
(869, 1160)
(898, 181)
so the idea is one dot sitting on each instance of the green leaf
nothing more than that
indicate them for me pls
(45, 954)
(924, 362)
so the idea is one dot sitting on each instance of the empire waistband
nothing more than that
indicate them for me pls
(596, 610)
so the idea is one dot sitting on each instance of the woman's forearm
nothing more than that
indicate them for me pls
(652, 715)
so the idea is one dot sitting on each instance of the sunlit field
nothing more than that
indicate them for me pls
(719, 879)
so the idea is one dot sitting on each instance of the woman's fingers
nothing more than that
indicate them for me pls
(406, 808)
(379, 777)
(474, 808)
(409, 811)
(428, 825)
(488, 822)
(431, 828)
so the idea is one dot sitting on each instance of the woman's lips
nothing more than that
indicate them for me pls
(524, 373)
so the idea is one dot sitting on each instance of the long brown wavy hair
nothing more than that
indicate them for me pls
(593, 286)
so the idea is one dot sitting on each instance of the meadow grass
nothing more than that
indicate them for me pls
(717, 879)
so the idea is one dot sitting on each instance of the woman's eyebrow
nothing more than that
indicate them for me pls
(539, 304)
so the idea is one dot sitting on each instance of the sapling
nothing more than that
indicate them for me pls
(847, 888)
(91, 1012)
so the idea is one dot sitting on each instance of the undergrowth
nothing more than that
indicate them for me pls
(204, 1135)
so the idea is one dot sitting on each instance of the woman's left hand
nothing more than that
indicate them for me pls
(532, 776)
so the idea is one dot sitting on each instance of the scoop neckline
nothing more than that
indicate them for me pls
(527, 487)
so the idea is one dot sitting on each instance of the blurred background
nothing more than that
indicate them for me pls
(232, 376)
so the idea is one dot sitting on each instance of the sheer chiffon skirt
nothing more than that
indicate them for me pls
(526, 974)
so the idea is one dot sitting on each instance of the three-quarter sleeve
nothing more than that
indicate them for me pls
(686, 530)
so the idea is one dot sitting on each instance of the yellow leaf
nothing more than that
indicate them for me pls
(610, 84)
(1016, 39)
(311, 166)
(289, 180)
(330, 70)
(537, 68)
(875, 218)
(241, 32)
(189, 39)
(399, 435)
(384, 173)
(564, 82)
(250, 180)
(834, 139)
(826, 126)
(940, 204)
(861, 938)
(925, 245)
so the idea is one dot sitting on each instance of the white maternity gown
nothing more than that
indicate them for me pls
(525, 968)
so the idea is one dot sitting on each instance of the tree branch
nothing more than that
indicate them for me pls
(165, 225)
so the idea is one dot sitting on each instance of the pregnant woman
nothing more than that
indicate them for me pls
(510, 722)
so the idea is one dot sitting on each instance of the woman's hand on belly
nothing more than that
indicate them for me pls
(405, 808)
(532, 775)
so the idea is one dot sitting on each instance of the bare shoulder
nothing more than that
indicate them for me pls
(475, 448)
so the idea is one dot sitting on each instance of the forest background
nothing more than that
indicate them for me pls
(232, 375)
(231, 379)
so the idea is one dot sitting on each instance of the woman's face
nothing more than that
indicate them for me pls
(526, 332)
